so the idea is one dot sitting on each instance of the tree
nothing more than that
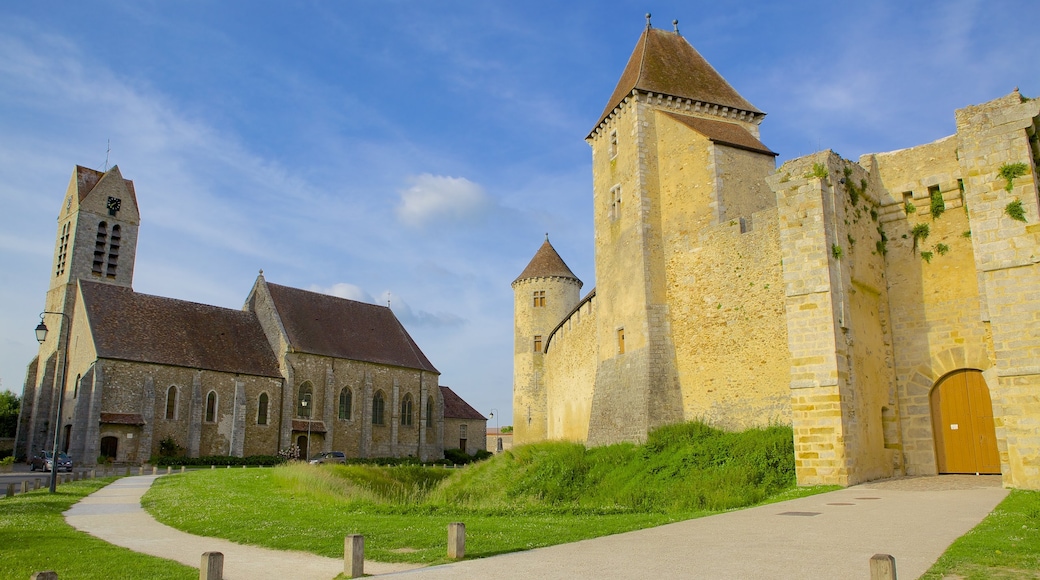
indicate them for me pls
(9, 405)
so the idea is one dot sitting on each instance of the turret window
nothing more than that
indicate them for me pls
(538, 343)
(539, 298)
(612, 147)
(621, 341)
(615, 202)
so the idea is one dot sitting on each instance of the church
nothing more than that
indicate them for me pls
(292, 368)
(886, 308)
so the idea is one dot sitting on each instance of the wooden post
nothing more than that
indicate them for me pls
(456, 540)
(182, 469)
(93, 473)
(10, 490)
(25, 486)
(48, 575)
(155, 470)
(882, 567)
(128, 470)
(140, 470)
(354, 556)
(212, 567)
(169, 469)
(36, 483)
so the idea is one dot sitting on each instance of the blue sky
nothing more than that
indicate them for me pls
(421, 150)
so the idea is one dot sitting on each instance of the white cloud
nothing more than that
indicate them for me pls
(411, 317)
(441, 198)
(345, 290)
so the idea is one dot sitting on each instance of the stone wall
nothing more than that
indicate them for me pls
(570, 374)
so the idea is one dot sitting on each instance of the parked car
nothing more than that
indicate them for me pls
(330, 457)
(44, 460)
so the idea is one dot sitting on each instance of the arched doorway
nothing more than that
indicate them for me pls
(66, 438)
(109, 447)
(301, 442)
(962, 420)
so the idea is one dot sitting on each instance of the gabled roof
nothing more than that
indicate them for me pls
(547, 264)
(136, 327)
(456, 408)
(664, 62)
(723, 133)
(329, 326)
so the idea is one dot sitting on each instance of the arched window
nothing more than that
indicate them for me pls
(99, 248)
(261, 409)
(406, 410)
(378, 404)
(305, 400)
(171, 403)
(211, 407)
(429, 412)
(346, 400)
(113, 252)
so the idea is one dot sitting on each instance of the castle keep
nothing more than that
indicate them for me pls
(292, 368)
(887, 308)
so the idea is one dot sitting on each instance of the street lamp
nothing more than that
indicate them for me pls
(41, 336)
(498, 431)
(305, 403)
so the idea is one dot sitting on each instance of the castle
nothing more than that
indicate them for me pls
(888, 309)
(292, 368)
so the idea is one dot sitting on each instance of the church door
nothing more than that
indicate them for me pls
(109, 446)
(962, 420)
(301, 442)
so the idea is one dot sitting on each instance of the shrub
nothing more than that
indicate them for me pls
(1015, 211)
(1009, 171)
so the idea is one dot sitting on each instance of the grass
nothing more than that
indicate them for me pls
(534, 496)
(1005, 545)
(36, 538)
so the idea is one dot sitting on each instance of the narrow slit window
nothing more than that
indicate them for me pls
(211, 407)
(621, 341)
(538, 343)
(615, 202)
(261, 409)
(612, 147)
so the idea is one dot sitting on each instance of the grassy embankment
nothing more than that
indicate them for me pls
(537, 495)
(1004, 546)
(34, 537)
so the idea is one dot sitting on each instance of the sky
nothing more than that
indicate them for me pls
(417, 153)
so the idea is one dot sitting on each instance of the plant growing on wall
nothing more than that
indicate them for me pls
(942, 249)
(819, 171)
(927, 257)
(1009, 171)
(920, 233)
(836, 251)
(1015, 211)
(937, 206)
(909, 208)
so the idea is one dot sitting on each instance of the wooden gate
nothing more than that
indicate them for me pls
(962, 420)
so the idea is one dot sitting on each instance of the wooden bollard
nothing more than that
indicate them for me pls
(140, 470)
(212, 466)
(456, 540)
(882, 567)
(212, 567)
(93, 473)
(155, 470)
(75, 475)
(354, 556)
(36, 483)
(128, 470)
(169, 469)
(182, 469)
(48, 575)
(10, 490)
(25, 486)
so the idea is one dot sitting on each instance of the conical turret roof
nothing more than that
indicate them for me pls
(547, 264)
(664, 62)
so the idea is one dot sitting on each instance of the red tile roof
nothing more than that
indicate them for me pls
(340, 328)
(456, 408)
(723, 133)
(546, 263)
(126, 325)
(664, 62)
(301, 425)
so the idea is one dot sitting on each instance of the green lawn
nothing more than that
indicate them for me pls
(34, 537)
(1005, 545)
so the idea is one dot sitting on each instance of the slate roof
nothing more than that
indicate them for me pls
(87, 179)
(126, 325)
(336, 327)
(664, 62)
(547, 264)
(723, 133)
(456, 408)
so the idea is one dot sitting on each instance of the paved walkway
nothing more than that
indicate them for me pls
(825, 536)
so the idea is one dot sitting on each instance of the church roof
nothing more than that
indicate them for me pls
(723, 133)
(329, 326)
(664, 62)
(456, 408)
(126, 325)
(547, 264)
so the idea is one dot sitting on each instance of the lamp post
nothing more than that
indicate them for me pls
(305, 403)
(498, 431)
(41, 336)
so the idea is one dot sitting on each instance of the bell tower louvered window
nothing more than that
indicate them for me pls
(63, 248)
(99, 249)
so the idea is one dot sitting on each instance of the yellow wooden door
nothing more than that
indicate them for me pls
(962, 420)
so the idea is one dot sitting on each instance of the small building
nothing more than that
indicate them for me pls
(464, 422)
